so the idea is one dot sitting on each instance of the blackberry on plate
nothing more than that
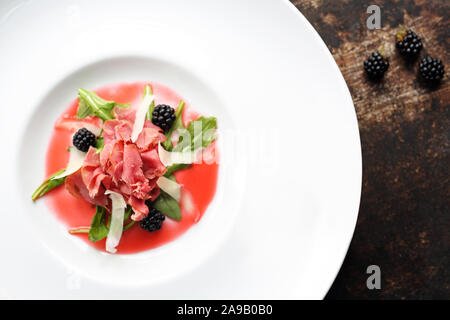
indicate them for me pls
(83, 139)
(432, 70)
(409, 44)
(153, 221)
(163, 116)
(375, 66)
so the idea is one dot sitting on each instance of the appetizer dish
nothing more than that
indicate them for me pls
(130, 166)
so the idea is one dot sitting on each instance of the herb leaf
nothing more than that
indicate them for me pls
(199, 138)
(202, 133)
(79, 230)
(177, 124)
(48, 185)
(99, 144)
(90, 104)
(168, 206)
(175, 167)
(207, 133)
(98, 229)
(148, 91)
(129, 225)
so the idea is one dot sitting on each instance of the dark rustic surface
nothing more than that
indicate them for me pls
(404, 218)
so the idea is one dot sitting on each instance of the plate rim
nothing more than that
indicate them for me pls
(360, 163)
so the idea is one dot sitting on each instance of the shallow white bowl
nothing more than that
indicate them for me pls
(290, 174)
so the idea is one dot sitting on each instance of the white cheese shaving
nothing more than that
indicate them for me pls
(93, 128)
(116, 227)
(76, 160)
(188, 205)
(169, 158)
(170, 187)
(140, 114)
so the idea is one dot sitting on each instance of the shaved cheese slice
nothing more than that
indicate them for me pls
(170, 187)
(169, 158)
(76, 160)
(141, 113)
(93, 128)
(117, 214)
(188, 204)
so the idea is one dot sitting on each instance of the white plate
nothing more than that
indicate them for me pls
(290, 177)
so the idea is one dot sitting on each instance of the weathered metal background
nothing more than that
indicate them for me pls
(404, 218)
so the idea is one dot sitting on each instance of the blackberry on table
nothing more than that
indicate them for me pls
(375, 65)
(163, 116)
(409, 44)
(83, 139)
(431, 69)
(153, 221)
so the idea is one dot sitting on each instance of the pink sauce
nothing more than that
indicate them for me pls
(199, 181)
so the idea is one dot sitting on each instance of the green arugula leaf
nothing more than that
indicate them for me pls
(48, 185)
(175, 167)
(90, 104)
(199, 138)
(202, 133)
(98, 229)
(99, 144)
(168, 206)
(148, 91)
(206, 135)
(177, 124)
(172, 177)
(79, 230)
(128, 212)
(129, 225)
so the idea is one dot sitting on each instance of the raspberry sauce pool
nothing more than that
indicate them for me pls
(198, 181)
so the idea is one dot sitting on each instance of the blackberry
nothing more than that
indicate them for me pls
(153, 221)
(409, 44)
(83, 139)
(432, 70)
(376, 65)
(163, 116)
